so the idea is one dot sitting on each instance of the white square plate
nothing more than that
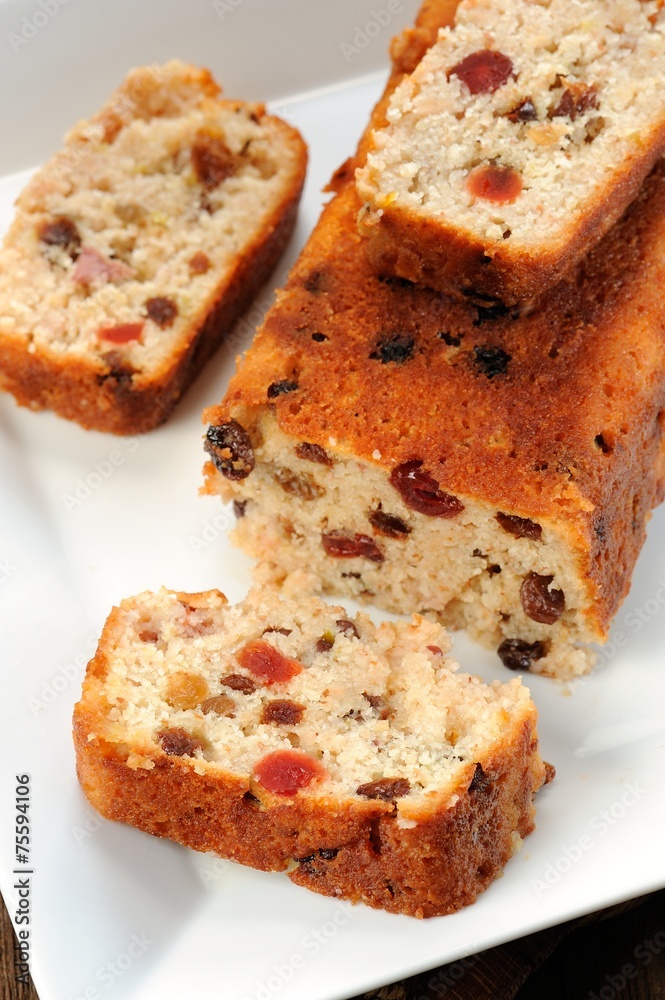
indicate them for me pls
(86, 519)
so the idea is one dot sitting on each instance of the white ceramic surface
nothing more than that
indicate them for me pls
(87, 518)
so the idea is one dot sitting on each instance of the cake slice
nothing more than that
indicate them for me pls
(496, 473)
(290, 737)
(138, 244)
(515, 144)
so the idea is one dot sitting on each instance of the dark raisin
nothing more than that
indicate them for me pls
(230, 449)
(326, 642)
(575, 100)
(488, 313)
(378, 703)
(421, 492)
(516, 654)
(478, 554)
(539, 602)
(200, 263)
(279, 388)
(319, 337)
(281, 631)
(178, 742)
(239, 682)
(491, 182)
(396, 348)
(239, 508)
(161, 311)
(282, 712)
(61, 232)
(347, 628)
(450, 339)
(480, 780)
(342, 546)
(313, 453)
(520, 527)
(387, 789)
(218, 705)
(212, 160)
(328, 854)
(524, 112)
(491, 361)
(493, 569)
(483, 72)
(302, 486)
(388, 524)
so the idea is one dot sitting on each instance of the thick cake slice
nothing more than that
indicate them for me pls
(516, 144)
(289, 737)
(497, 473)
(137, 245)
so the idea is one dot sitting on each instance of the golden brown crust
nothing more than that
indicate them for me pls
(570, 432)
(459, 844)
(103, 399)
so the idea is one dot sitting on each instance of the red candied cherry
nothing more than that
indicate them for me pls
(500, 185)
(267, 663)
(121, 334)
(285, 772)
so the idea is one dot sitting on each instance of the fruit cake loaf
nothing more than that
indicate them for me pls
(289, 737)
(384, 442)
(137, 245)
(515, 144)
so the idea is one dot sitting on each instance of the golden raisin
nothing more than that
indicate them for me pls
(185, 690)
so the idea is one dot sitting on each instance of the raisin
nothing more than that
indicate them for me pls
(219, 705)
(491, 182)
(539, 602)
(230, 449)
(524, 112)
(200, 263)
(421, 492)
(319, 337)
(480, 780)
(377, 702)
(314, 282)
(185, 690)
(302, 486)
(342, 546)
(178, 742)
(326, 642)
(347, 628)
(388, 524)
(396, 348)
(238, 682)
(517, 654)
(279, 388)
(239, 508)
(61, 232)
(282, 631)
(575, 100)
(520, 527)
(124, 333)
(267, 663)
(285, 772)
(387, 789)
(449, 339)
(161, 311)
(491, 361)
(282, 712)
(212, 160)
(484, 71)
(488, 313)
(313, 453)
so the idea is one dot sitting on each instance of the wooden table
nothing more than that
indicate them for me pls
(617, 954)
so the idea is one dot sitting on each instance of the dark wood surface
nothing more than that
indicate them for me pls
(616, 954)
